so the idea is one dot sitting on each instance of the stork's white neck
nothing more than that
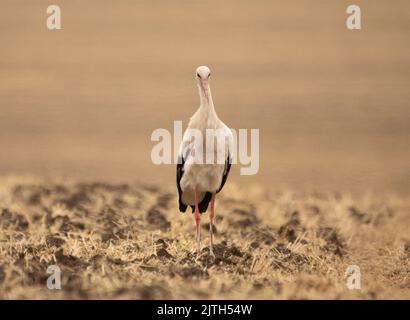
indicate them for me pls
(206, 102)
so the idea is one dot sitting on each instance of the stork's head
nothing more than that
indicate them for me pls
(203, 75)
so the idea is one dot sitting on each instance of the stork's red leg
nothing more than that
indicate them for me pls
(197, 221)
(211, 225)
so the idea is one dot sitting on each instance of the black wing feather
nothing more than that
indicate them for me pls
(228, 164)
(180, 172)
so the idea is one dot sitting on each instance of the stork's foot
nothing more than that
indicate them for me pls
(211, 255)
(197, 253)
(207, 256)
(198, 257)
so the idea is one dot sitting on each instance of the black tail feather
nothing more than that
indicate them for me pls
(203, 205)
(182, 206)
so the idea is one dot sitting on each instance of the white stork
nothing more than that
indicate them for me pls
(199, 181)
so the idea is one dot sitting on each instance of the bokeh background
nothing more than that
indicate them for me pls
(332, 105)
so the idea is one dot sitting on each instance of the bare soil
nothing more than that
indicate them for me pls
(128, 241)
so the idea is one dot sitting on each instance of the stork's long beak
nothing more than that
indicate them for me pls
(205, 88)
(205, 84)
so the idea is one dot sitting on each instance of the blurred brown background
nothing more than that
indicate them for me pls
(332, 105)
